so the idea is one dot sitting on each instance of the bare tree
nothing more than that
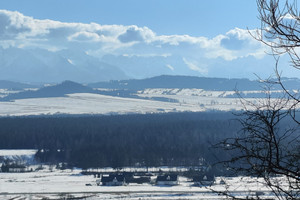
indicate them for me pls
(280, 28)
(268, 144)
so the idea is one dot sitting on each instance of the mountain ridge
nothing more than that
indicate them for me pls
(38, 65)
(58, 90)
(181, 82)
(12, 85)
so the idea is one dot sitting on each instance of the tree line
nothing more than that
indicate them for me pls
(174, 139)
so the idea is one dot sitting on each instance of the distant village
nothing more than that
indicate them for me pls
(160, 176)
(159, 179)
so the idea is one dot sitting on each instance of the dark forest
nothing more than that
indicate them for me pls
(174, 139)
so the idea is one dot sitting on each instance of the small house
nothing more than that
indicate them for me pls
(204, 180)
(171, 179)
(13, 168)
(113, 180)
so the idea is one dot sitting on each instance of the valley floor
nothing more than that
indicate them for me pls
(50, 183)
(86, 103)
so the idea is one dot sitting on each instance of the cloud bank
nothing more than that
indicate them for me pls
(22, 31)
(195, 53)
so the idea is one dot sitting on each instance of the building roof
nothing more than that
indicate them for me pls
(203, 178)
(167, 177)
(110, 178)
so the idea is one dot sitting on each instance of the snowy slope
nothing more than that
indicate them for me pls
(87, 103)
(19, 155)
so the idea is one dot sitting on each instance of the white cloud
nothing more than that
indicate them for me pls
(136, 34)
(177, 39)
(195, 66)
(17, 29)
(170, 67)
(70, 61)
(84, 36)
(147, 55)
(289, 16)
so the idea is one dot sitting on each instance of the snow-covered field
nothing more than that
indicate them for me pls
(5, 92)
(17, 152)
(48, 182)
(191, 100)
(55, 184)
(161, 92)
(86, 103)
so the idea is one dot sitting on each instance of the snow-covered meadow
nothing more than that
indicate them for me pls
(55, 184)
(49, 182)
(87, 103)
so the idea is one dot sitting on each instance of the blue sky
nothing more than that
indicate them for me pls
(185, 37)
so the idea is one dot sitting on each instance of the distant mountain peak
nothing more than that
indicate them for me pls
(66, 87)
(40, 65)
(69, 83)
(59, 90)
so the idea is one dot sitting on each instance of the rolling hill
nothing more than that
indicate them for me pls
(59, 90)
(184, 82)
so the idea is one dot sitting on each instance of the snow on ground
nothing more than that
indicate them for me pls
(47, 182)
(17, 152)
(85, 103)
(22, 156)
(196, 92)
(5, 92)
(50, 182)
(191, 100)
(185, 92)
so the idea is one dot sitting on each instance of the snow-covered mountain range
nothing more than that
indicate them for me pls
(42, 66)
